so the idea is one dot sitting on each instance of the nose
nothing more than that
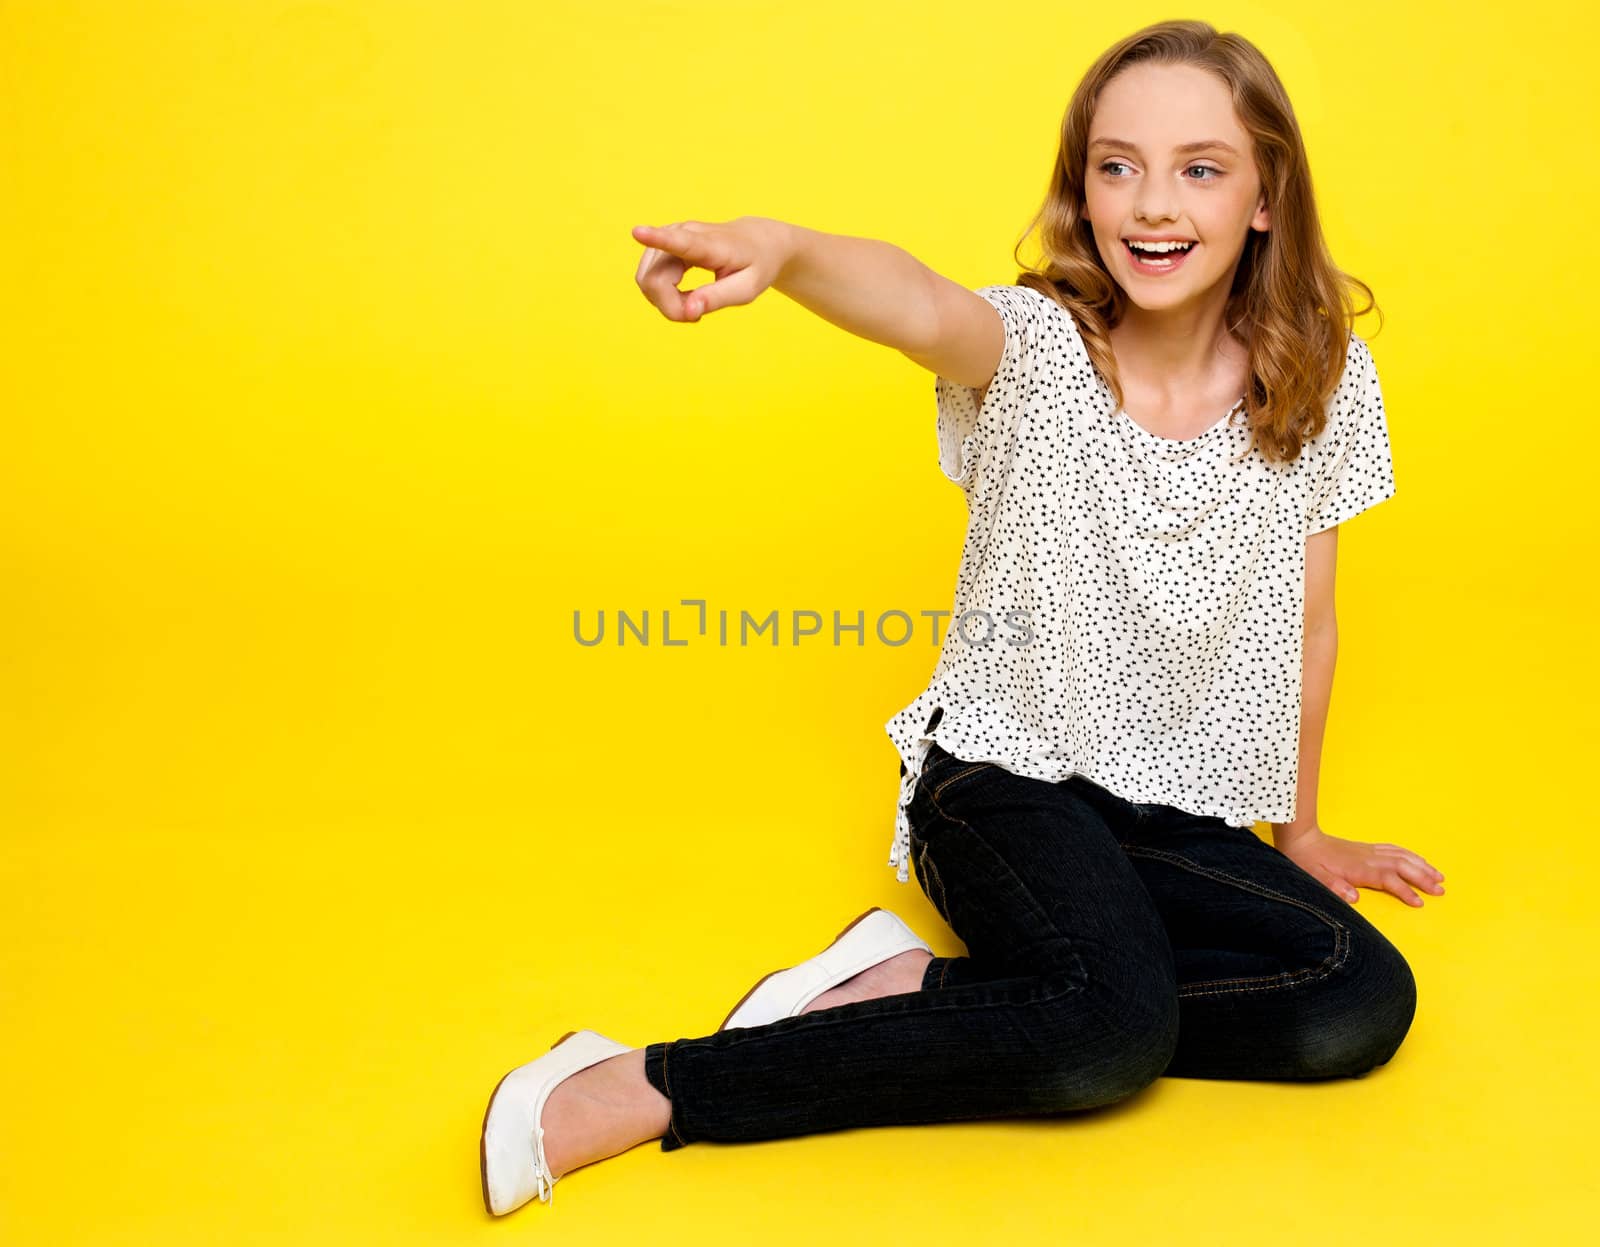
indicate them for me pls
(1154, 202)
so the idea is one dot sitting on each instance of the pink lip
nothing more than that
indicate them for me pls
(1146, 270)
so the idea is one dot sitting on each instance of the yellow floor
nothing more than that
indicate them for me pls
(275, 1033)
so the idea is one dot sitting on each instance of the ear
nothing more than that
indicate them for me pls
(1263, 217)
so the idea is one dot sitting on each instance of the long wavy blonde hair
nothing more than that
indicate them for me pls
(1290, 304)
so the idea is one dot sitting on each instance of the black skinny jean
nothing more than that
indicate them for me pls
(1109, 943)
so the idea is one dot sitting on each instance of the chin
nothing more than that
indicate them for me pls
(1157, 301)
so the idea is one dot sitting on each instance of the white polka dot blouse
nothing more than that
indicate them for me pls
(1129, 607)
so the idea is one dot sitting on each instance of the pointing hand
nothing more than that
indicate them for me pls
(745, 255)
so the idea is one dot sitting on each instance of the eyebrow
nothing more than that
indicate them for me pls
(1186, 148)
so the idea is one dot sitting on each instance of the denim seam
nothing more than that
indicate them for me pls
(1289, 978)
(958, 775)
(930, 876)
(826, 1017)
(1022, 883)
(671, 1113)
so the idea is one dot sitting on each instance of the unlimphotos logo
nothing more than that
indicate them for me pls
(798, 627)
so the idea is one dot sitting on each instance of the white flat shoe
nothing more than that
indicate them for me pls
(870, 940)
(511, 1150)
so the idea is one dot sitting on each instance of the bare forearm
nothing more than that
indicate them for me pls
(874, 289)
(1320, 653)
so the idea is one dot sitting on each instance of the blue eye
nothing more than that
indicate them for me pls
(1107, 166)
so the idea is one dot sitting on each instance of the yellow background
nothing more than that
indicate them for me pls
(328, 397)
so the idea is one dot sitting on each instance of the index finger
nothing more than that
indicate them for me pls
(655, 235)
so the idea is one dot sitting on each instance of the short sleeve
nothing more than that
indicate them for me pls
(1357, 470)
(972, 437)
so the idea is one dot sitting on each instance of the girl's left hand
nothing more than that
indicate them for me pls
(1345, 865)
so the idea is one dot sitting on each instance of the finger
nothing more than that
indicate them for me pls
(1395, 850)
(653, 261)
(649, 235)
(731, 291)
(1421, 875)
(1390, 881)
(1339, 886)
(658, 276)
(654, 253)
(679, 240)
(662, 274)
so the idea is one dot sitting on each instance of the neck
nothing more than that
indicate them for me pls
(1175, 350)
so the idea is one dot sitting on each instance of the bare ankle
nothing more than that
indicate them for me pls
(913, 969)
(895, 977)
(638, 1096)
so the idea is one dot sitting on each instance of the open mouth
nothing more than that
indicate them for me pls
(1158, 261)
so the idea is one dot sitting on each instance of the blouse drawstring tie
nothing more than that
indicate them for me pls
(900, 850)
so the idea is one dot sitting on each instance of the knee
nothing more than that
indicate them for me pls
(1376, 1014)
(1114, 1047)
(1147, 1045)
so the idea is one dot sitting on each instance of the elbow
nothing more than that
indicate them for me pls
(1322, 630)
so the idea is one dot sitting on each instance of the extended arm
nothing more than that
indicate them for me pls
(883, 293)
(876, 290)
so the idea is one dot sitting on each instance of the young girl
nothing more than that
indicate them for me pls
(1157, 432)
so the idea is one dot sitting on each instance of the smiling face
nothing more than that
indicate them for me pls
(1168, 159)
